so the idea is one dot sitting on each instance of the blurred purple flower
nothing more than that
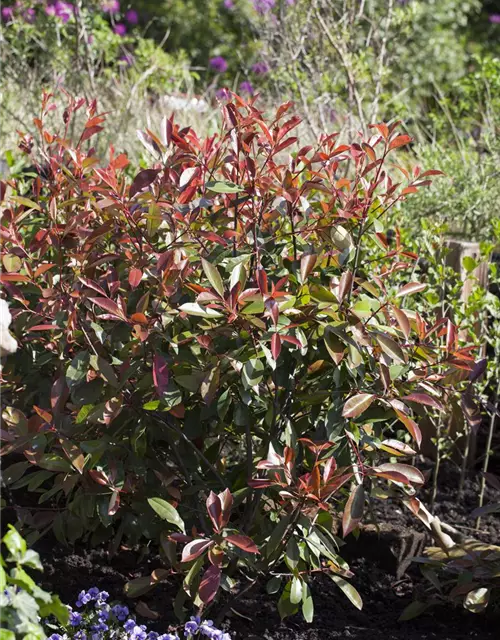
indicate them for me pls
(120, 29)
(218, 64)
(260, 68)
(246, 87)
(495, 18)
(7, 13)
(128, 60)
(29, 15)
(61, 10)
(110, 6)
(132, 17)
(263, 6)
(228, 4)
(222, 94)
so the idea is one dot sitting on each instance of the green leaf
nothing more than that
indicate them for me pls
(5, 634)
(223, 404)
(349, 591)
(167, 512)
(26, 202)
(390, 347)
(296, 590)
(56, 608)
(285, 605)
(105, 369)
(277, 535)
(223, 187)
(32, 559)
(77, 369)
(274, 585)
(252, 373)
(195, 309)
(54, 462)
(413, 610)
(213, 276)
(14, 472)
(307, 604)
(3, 578)
(14, 543)
(292, 554)
(469, 263)
(138, 586)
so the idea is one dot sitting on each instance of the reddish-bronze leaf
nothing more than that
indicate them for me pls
(214, 508)
(276, 345)
(195, 548)
(142, 180)
(307, 263)
(134, 277)
(209, 584)
(242, 542)
(353, 511)
(356, 405)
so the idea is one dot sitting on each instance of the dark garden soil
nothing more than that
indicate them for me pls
(385, 582)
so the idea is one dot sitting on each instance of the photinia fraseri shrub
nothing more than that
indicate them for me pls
(216, 334)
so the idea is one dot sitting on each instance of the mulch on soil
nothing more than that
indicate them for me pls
(384, 593)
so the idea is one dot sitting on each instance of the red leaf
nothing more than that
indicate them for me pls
(276, 345)
(400, 141)
(292, 340)
(353, 511)
(411, 287)
(109, 305)
(345, 285)
(114, 503)
(160, 374)
(134, 277)
(330, 468)
(42, 269)
(142, 180)
(356, 405)
(411, 425)
(99, 477)
(209, 584)
(243, 542)
(89, 132)
(195, 548)
(214, 508)
(423, 398)
(307, 263)
(402, 320)
(413, 474)
(262, 281)
(226, 500)
(58, 394)
(13, 277)
(451, 336)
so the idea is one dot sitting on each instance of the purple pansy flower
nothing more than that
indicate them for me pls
(191, 627)
(495, 18)
(228, 4)
(120, 29)
(218, 64)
